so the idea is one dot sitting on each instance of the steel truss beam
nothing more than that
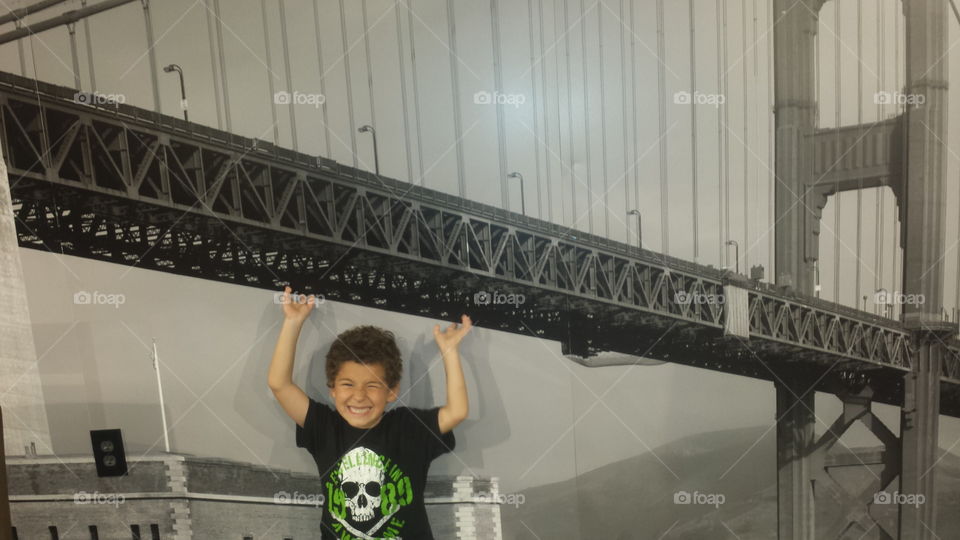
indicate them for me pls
(224, 203)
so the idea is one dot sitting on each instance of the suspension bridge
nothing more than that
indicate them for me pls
(124, 183)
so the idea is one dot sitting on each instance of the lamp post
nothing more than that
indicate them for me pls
(523, 206)
(376, 156)
(636, 212)
(183, 90)
(736, 252)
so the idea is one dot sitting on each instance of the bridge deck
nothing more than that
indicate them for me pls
(108, 181)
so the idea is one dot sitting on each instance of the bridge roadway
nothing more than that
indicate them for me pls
(118, 183)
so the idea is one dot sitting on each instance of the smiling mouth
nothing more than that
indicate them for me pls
(359, 411)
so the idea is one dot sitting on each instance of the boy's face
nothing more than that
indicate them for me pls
(360, 393)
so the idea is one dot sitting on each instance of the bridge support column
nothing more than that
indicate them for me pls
(919, 435)
(926, 144)
(795, 115)
(795, 439)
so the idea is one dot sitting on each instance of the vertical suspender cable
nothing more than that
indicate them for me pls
(89, 45)
(536, 108)
(633, 109)
(217, 95)
(323, 77)
(746, 133)
(880, 206)
(366, 46)
(860, 133)
(223, 67)
(286, 69)
(603, 127)
(721, 157)
(726, 141)
(627, 168)
(586, 119)
(403, 92)
(662, 100)
(546, 117)
(455, 88)
(416, 92)
(151, 55)
(756, 117)
(771, 150)
(498, 84)
(346, 70)
(570, 154)
(836, 206)
(956, 280)
(814, 152)
(556, 84)
(693, 129)
(270, 74)
(897, 259)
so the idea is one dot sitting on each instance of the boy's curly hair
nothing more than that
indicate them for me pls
(365, 344)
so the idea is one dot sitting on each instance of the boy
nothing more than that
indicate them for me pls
(373, 465)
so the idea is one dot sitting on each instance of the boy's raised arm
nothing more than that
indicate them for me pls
(456, 408)
(280, 376)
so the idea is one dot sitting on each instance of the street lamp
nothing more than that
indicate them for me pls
(183, 91)
(523, 206)
(636, 212)
(367, 128)
(736, 252)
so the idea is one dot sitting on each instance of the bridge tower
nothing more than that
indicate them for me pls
(906, 153)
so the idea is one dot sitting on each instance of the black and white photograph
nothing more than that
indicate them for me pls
(480, 269)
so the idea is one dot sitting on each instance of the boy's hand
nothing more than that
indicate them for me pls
(297, 309)
(449, 339)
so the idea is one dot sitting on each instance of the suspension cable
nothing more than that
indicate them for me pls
(836, 98)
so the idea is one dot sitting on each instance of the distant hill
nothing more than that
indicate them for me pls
(634, 498)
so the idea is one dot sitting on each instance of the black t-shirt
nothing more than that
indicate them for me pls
(373, 479)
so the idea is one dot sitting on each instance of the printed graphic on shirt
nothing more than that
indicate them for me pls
(365, 490)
